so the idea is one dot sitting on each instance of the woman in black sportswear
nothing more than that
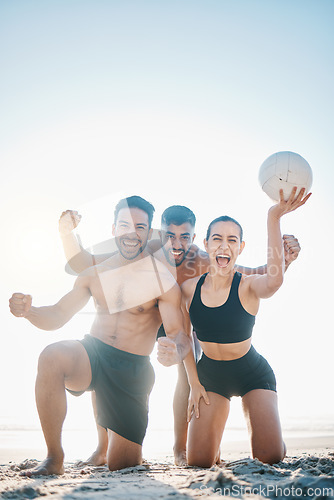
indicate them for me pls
(221, 305)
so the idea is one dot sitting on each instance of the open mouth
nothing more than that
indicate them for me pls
(130, 244)
(223, 260)
(176, 257)
(176, 253)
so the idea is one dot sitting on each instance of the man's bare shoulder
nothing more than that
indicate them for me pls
(188, 286)
(88, 275)
(93, 271)
(197, 260)
(197, 254)
(84, 280)
(154, 246)
(164, 274)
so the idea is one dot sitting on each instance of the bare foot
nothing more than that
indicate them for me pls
(180, 457)
(48, 467)
(97, 458)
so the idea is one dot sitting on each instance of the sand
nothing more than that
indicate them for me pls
(307, 472)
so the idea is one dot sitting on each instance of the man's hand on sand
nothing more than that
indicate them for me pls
(167, 352)
(20, 304)
(68, 221)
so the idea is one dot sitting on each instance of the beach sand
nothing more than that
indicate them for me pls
(307, 472)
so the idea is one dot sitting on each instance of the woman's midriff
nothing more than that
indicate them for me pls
(226, 352)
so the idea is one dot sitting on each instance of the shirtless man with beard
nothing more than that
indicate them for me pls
(133, 292)
(176, 250)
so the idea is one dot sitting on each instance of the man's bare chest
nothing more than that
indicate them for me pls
(136, 289)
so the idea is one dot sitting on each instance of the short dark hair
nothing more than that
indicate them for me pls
(178, 214)
(223, 218)
(135, 202)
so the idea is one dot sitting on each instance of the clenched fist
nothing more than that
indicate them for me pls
(291, 248)
(167, 352)
(68, 221)
(20, 304)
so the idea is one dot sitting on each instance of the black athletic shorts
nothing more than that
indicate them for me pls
(238, 376)
(122, 382)
(161, 332)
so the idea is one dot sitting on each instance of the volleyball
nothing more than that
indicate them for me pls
(284, 170)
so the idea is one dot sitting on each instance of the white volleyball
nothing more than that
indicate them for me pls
(284, 170)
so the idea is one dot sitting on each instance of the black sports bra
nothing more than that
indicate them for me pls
(225, 324)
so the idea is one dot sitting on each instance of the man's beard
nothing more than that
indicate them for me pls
(125, 251)
(171, 260)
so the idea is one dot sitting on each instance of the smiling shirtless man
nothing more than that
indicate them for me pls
(176, 250)
(132, 292)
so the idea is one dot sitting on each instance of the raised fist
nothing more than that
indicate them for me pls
(68, 221)
(20, 304)
(291, 248)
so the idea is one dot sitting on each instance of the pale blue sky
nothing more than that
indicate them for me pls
(179, 101)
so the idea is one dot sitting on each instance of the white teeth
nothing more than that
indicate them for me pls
(130, 243)
(175, 253)
(224, 256)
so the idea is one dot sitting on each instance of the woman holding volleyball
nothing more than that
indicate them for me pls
(221, 305)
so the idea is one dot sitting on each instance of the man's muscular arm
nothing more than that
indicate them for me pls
(291, 252)
(55, 316)
(77, 257)
(175, 347)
